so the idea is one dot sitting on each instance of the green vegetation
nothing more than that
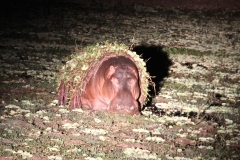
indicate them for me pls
(86, 60)
(186, 51)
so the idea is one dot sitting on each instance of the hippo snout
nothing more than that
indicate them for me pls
(126, 106)
(124, 103)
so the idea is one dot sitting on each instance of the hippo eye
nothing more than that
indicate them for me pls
(115, 81)
(132, 81)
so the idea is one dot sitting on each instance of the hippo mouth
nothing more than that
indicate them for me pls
(129, 107)
(124, 108)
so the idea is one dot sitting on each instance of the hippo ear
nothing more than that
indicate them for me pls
(110, 72)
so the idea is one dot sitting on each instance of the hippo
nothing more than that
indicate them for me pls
(113, 88)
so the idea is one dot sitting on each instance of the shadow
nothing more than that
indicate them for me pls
(157, 63)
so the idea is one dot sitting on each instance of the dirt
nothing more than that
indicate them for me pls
(184, 4)
(195, 114)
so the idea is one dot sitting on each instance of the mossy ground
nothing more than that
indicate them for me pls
(185, 123)
(194, 116)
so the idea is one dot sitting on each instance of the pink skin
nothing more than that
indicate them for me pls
(114, 88)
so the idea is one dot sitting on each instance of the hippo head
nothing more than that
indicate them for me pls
(123, 84)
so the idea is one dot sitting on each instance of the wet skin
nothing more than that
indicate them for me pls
(114, 88)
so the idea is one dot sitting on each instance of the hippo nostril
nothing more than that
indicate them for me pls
(124, 107)
(119, 107)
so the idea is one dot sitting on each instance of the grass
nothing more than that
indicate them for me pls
(179, 131)
(186, 51)
(197, 118)
(123, 132)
